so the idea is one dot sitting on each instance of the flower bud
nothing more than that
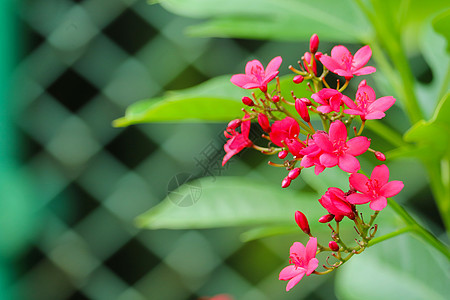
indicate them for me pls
(286, 182)
(306, 100)
(302, 109)
(275, 99)
(308, 59)
(298, 79)
(294, 173)
(282, 154)
(234, 124)
(264, 122)
(333, 246)
(326, 218)
(302, 222)
(318, 55)
(380, 156)
(313, 43)
(247, 101)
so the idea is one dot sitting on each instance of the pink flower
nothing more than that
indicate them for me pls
(374, 190)
(311, 157)
(287, 128)
(237, 141)
(334, 201)
(344, 64)
(329, 100)
(255, 76)
(337, 150)
(303, 261)
(366, 106)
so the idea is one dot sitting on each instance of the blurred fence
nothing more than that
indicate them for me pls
(82, 64)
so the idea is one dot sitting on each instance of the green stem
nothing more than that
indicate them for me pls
(389, 235)
(440, 186)
(418, 229)
(390, 38)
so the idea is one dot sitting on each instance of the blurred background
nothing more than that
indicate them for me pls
(71, 184)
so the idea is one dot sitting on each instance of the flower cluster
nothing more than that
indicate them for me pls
(286, 121)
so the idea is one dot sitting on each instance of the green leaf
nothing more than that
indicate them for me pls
(441, 25)
(281, 20)
(227, 201)
(263, 232)
(432, 138)
(400, 268)
(214, 100)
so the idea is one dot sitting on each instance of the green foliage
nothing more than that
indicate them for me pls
(278, 20)
(431, 138)
(400, 268)
(214, 100)
(228, 201)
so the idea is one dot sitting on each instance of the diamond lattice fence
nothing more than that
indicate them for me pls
(83, 63)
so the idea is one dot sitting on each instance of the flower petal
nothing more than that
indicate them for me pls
(391, 188)
(328, 160)
(289, 272)
(338, 131)
(323, 142)
(298, 249)
(361, 57)
(294, 281)
(269, 77)
(358, 145)
(311, 249)
(348, 163)
(252, 66)
(358, 198)
(353, 112)
(273, 65)
(344, 73)
(381, 174)
(359, 181)
(241, 79)
(375, 115)
(318, 169)
(312, 265)
(382, 104)
(378, 203)
(251, 85)
(364, 71)
(349, 102)
(339, 52)
(329, 63)
(324, 109)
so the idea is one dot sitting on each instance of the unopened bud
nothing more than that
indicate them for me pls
(302, 222)
(234, 124)
(313, 43)
(306, 100)
(282, 154)
(380, 156)
(286, 182)
(326, 218)
(247, 101)
(333, 246)
(294, 173)
(298, 79)
(275, 99)
(264, 122)
(318, 55)
(302, 109)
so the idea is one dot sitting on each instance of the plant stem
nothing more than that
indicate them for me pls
(389, 235)
(418, 229)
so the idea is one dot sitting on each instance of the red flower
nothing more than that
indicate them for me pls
(282, 130)
(337, 150)
(237, 141)
(366, 106)
(334, 201)
(344, 64)
(255, 76)
(311, 157)
(374, 190)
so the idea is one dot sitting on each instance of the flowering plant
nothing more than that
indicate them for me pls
(331, 130)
